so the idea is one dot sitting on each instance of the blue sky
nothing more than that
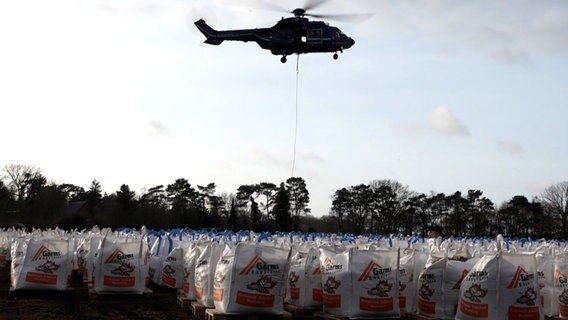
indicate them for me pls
(439, 95)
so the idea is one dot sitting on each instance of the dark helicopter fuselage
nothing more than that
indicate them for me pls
(296, 35)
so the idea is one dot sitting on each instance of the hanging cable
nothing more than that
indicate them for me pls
(296, 124)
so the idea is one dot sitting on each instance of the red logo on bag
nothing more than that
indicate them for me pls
(560, 278)
(293, 279)
(457, 286)
(373, 269)
(319, 269)
(258, 265)
(43, 253)
(520, 275)
(118, 257)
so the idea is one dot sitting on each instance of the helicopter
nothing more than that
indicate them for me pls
(292, 35)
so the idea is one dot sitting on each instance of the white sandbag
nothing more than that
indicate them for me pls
(420, 259)
(5, 245)
(406, 281)
(158, 254)
(17, 253)
(92, 248)
(455, 273)
(250, 278)
(190, 260)
(361, 283)
(430, 284)
(548, 302)
(518, 288)
(545, 271)
(80, 259)
(205, 272)
(478, 292)
(172, 269)
(46, 265)
(561, 284)
(121, 266)
(501, 286)
(304, 278)
(335, 293)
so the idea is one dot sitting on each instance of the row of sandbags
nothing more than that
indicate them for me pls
(448, 280)
(112, 262)
(350, 276)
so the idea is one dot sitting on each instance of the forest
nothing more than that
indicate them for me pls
(382, 206)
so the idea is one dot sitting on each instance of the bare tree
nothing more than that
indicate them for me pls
(18, 178)
(396, 194)
(555, 199)
(402, 192)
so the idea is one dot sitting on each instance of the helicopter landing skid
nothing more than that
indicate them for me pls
(335, 55)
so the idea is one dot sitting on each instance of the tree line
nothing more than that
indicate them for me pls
(381, 206)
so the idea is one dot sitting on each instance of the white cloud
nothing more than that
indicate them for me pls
(155, 128)
(442, 121)
(509, 147)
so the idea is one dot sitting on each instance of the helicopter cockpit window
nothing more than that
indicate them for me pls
(315, 35)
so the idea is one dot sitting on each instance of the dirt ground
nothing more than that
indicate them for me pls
(160, 304)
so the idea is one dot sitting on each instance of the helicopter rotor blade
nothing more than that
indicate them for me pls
(308, 5)
(354, 18)
(312, 4)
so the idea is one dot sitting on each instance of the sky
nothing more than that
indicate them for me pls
(439, 95)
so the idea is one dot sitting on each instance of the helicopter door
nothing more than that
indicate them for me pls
(315, 36)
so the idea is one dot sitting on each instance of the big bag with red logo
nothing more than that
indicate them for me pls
(121, 265)
(189, 261)
(560, 295)
(41, 263)
(159, 252)
(361, 283)
(172, 274)
(406, 280)
(92, 248)
(205, 272)
(250, 278)
(519, 294)
(501, 285)
(478, 291)
(545, 270)
(17, 255)
(304, 278)
(430, 295)
(455, 273)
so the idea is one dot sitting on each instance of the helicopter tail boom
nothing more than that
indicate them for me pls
(208, 32)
